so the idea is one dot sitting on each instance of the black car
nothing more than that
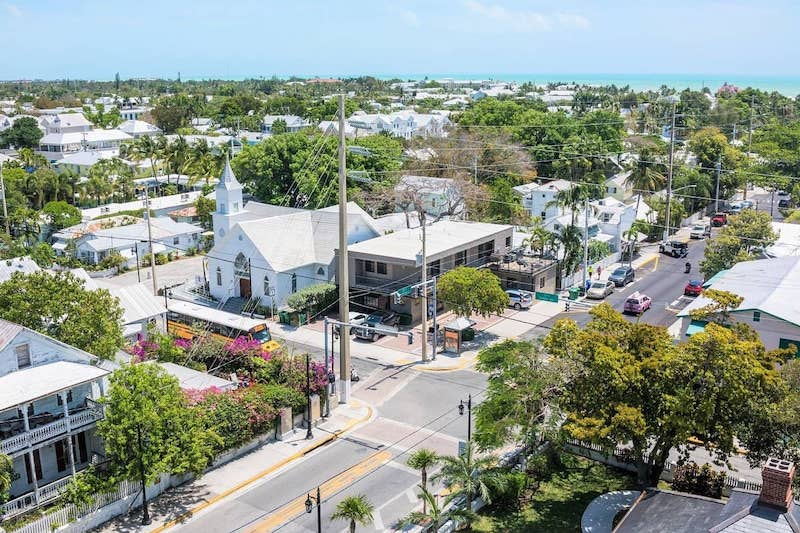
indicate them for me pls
(622, 276)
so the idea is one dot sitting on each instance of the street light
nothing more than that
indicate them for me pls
(469, 415)
(310, 500)
(309, 434)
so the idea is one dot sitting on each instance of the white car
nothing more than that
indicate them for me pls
(600, 289)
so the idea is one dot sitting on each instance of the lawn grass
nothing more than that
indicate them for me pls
(561, 499)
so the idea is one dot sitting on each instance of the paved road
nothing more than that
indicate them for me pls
(415, 409)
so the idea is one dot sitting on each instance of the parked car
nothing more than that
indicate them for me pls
(784, 203)
(637, 303)
(700, 231)
(379, 320)
(622, 276)
(674, 248)
(519, 299)
(693, 288)
(600, 289)
(719, 219)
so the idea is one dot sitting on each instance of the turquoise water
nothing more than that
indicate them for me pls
(788, 85)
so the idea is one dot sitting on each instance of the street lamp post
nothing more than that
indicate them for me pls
(310, 501)
(309, 434)
(469, 416)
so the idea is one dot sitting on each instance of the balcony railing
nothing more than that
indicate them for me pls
(48, 431)
(28, 501)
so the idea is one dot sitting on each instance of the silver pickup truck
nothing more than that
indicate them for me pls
(377, 325)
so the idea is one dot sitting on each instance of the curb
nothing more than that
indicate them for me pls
(280, 464)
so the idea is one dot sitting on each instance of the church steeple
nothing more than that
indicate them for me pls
(229, 200)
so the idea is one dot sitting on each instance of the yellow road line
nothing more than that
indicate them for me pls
(297, 455)
(297, 506)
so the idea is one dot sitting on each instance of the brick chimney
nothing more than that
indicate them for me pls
(776, 489)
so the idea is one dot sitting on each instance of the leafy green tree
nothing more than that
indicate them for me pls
(521, 403)
(355, 509)
(58, 304)
(205, 208)
(745, 235)
(149, 428)
(468, 290)
(61, 215)
(631, 384)
(6, 476)
(24, 133)
(423, 459)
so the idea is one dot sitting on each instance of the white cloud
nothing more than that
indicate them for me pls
(524, 21)
(13, 10)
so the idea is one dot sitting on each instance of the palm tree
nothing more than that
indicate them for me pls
(436, 515)
(356, 509)
(570, 239)
(422, 460)
(470, 475)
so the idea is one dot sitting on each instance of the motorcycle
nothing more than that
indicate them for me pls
(688, 267)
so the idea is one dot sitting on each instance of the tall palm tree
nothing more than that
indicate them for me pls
(422, 460)
(356, 509)
(472, 476)
(436, 515)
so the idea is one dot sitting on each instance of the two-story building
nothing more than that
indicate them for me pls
(48, 414)
(383, 265)
(67, 133)
(538, 198)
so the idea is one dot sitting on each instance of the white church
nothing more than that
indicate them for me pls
(269, 252)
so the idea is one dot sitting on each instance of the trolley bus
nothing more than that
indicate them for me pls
(186, 319)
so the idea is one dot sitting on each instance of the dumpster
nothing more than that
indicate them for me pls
(574, 292)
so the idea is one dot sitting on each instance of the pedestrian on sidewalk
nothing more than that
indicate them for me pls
(599, 271)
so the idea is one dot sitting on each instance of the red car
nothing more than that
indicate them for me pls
(693, 288)
(719, 219)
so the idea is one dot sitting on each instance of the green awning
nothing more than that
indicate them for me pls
(695, 326)
(714, 278)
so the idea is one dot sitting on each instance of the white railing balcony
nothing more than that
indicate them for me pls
(28, 501)
(49, 431)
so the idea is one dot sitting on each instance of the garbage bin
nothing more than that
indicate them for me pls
(574, 292)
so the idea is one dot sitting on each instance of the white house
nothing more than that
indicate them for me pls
(128, 236)
(405, 124)
(270, 252)
(67, 133)
(139, 128)
(537, 198)
(48, 414)
(293, 123)
(437, 196)
(770, 305)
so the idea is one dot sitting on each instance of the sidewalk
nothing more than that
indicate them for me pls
(183, 503)
(397, 352)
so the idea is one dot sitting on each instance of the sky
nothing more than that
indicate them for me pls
(55, 39)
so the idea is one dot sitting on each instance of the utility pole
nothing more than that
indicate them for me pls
(424, 287)
(749, 140)
(5, 207)
(344, 278)
(150, 240)
(669, 172)
(716, 194)
(585, 241)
